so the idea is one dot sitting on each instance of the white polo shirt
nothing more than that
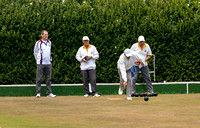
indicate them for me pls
(91, 51)
(42, 52)
(143, 52)
(124, 64)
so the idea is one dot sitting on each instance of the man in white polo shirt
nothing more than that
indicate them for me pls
(144, 51)
(42, 54)
(86, 55)
(124, 64)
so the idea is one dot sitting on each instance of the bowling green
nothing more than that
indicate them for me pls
(107, 111)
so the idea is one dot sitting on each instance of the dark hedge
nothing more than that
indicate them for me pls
(171, 28)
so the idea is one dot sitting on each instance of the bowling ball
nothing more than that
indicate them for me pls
(85, 57)
(146, 98)
(136, 94)
(155, 94)
(142, 94)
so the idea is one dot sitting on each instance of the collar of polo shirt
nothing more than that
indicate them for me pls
(86, 48)
(142, 47)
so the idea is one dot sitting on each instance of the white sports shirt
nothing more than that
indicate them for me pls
(124, 64)
(143, 52)
(42, 52)
(91, 51)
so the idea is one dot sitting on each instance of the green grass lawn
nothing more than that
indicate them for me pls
(109, 111)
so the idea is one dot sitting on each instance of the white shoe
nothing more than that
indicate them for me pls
(86, 95)
(51, 95)
(96, 95)
(38, 95)
(129, 98)
(120, 91)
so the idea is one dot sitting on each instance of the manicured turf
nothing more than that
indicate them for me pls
(107, 111)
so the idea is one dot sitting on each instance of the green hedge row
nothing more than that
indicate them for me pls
(171, 28)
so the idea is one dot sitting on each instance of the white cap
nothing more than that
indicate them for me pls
(86, 38)
(141, 38)
(128, 52)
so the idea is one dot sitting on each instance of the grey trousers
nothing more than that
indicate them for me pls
(41, 68)
(129, 82)
(146, 76)
(92, 75)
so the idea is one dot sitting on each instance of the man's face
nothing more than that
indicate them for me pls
(128, 57)
(45, 35)
(141, 42)
(86, 42)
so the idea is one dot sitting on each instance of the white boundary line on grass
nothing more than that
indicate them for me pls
(160, 83)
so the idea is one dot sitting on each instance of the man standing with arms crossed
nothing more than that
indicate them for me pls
(86, 55)
(42, 54)
(144, 51)
(124, 64)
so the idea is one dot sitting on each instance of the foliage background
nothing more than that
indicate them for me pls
(171, 28)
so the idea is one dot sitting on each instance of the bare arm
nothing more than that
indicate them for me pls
(148, 57)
